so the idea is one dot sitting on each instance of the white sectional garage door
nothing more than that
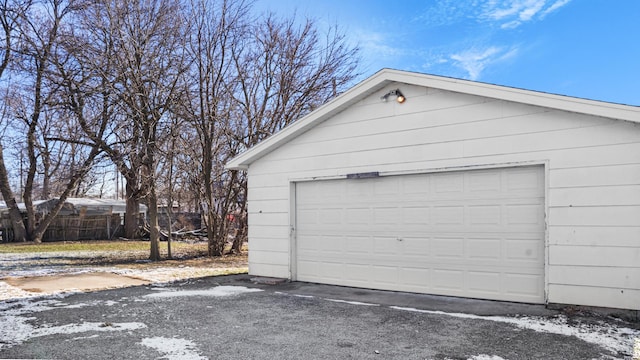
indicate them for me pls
(476, 234)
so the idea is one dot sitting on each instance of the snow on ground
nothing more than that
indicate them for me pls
(169, 274)
(11, 292)
(613, 338)
(16, 326)
(352, 302)
(42, 264)
(36, 265)
(216, 292)
(485, 357)
(173, 348)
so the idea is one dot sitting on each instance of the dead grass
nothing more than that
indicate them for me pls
(126, 254)
(97, 245)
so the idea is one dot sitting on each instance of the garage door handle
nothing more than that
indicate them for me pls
(399, 239)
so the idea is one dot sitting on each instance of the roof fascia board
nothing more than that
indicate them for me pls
(560, 102)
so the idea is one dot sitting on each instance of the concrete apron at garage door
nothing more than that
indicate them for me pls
(477, 233)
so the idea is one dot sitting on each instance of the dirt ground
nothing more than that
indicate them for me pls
(68, 282)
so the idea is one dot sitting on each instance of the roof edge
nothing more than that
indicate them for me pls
(386, 76)
(334, 106)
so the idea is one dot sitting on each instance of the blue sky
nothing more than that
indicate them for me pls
(582, 48)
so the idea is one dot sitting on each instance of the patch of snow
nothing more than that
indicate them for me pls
(636, 348)
(17, 329)
(86, 337)
(304, 296)
(296, 295)
(613, 338)
(11, 292)
(170, 274)
(16, 326)
(352, 302)
(217, 291)
(57, 263)
(485, 357)
(173, 348)
(86, 327)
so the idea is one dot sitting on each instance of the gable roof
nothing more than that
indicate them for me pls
(385, 77)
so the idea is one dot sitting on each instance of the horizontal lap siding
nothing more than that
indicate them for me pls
(268, 209)
(593, 193)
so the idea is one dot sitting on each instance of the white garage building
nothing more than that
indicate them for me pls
(464, 189)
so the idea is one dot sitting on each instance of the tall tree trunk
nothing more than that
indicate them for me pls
(19, 231)
(216, 245)
(154, 235)
(131, 215)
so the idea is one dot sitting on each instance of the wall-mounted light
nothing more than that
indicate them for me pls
(399, 97)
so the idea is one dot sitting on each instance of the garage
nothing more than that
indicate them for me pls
(476, 234)
(426, 184)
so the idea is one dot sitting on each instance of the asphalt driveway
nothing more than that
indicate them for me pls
(231, 317)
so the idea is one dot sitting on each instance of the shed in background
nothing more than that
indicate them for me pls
(79, 219)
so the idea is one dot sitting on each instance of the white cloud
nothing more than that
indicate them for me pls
(475, 60)
(557, 5)
(513, 13)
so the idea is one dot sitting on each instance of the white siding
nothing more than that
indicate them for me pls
(593, 163)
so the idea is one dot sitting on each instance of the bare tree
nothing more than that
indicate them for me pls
(141, 42)
(216, 26)
(10, 16)
(37, 61)
(249, 78)
(285, 71)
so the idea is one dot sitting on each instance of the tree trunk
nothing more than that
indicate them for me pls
(154, 235)
(216, 245)
(170, 229)
(131, 215)
(19, 231)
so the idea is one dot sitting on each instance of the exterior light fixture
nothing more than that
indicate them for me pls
(399, 96)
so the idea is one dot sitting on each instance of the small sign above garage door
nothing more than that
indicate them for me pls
(477, 234)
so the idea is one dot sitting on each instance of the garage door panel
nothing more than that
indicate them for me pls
(358, 216)
(447, 248)
(416, 247)
(331, 270)
(484, 282)
(415, 276)
(331, 216)
(384, 275)
(523, 284)
(448, 279)
(480, 215)
(385, 246)
(386, 187)
(484, 182)
(525, 179)
(359, 273)
(446, 184)
(415, 215)
(525, 214)
(448, 215)
(484, 249)
(358, 244)
(472, 233)
(416, 187)
(387, 216)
